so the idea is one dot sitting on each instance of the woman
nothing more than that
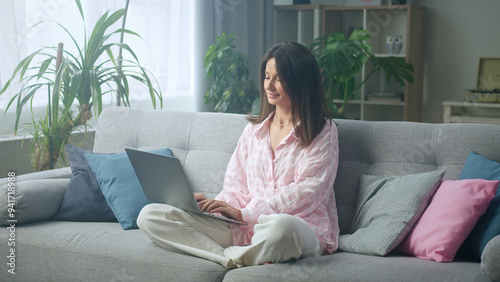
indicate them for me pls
(279, 179)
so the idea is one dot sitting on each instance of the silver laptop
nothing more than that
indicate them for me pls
(164, 181)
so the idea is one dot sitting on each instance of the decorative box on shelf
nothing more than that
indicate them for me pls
(483, 96)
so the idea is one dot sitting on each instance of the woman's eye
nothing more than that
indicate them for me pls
(267, 77)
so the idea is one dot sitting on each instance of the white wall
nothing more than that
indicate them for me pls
(458, 33)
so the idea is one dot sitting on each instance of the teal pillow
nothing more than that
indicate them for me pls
(488, 226)
(387, 210)
(120, 186)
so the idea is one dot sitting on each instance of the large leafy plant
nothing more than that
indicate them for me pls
(230, 89)
(341, 59)
(75, 84)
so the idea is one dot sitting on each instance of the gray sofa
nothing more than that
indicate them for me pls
(47, 250)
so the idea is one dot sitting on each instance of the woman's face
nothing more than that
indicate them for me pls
(276, 95)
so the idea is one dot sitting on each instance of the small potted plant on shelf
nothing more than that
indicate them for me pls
(230, 89)
(75, 84)
(341, 59)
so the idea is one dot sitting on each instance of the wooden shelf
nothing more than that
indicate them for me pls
(298, 7)
(384, 103)
(372, 8)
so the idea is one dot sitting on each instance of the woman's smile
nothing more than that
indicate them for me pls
(273, 95)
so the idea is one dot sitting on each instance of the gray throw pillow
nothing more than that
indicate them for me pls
(35, 200)
(490, 258)
(387, 209)
(83, 200)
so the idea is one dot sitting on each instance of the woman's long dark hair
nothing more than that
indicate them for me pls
(300, 77)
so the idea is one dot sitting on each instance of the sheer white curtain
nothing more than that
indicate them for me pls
(167, 44)
(166, 47)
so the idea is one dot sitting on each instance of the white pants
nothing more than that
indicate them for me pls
(277, 238)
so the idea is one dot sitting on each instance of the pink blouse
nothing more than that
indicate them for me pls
(297, 181)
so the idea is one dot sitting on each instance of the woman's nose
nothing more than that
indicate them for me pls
(269, 84)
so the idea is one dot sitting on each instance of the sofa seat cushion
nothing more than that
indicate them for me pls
(100, 251)
(342, 266)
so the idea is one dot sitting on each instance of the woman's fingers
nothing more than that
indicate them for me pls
(205, 205)
(199, 196)
(214, 206)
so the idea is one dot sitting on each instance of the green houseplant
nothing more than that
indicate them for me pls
(75, 84)
(341, 58)
(230, 89)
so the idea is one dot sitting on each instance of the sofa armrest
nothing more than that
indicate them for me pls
(31, 200)
(57, 173)
(490, 259)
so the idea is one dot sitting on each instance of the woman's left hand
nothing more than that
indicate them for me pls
(214, 206)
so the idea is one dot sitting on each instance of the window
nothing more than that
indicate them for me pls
(165, 48)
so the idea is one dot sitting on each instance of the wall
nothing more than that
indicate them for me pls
(15, 158)
(458, 33)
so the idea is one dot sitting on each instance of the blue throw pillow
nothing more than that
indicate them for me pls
(120, 186)
(488, 226)
(83, 200)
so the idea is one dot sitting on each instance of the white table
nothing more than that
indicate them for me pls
(467, 112)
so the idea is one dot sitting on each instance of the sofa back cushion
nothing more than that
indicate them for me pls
(204, 142)
(402, 148)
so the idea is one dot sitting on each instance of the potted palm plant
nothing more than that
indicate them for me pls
(230, 88)
(75, 84)
(341, 58)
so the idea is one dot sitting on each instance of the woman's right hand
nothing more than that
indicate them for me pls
(199, 197)
(214, 206)
(221, 207)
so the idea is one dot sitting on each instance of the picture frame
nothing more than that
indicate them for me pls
(488, 74)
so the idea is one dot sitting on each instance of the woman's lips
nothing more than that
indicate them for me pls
(272, 95)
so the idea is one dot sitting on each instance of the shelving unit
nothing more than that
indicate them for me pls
(301, 23)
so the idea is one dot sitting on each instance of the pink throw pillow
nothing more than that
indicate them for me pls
(452, 213)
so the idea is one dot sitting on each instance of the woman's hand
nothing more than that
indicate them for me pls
(214, 206)
(199, 197)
